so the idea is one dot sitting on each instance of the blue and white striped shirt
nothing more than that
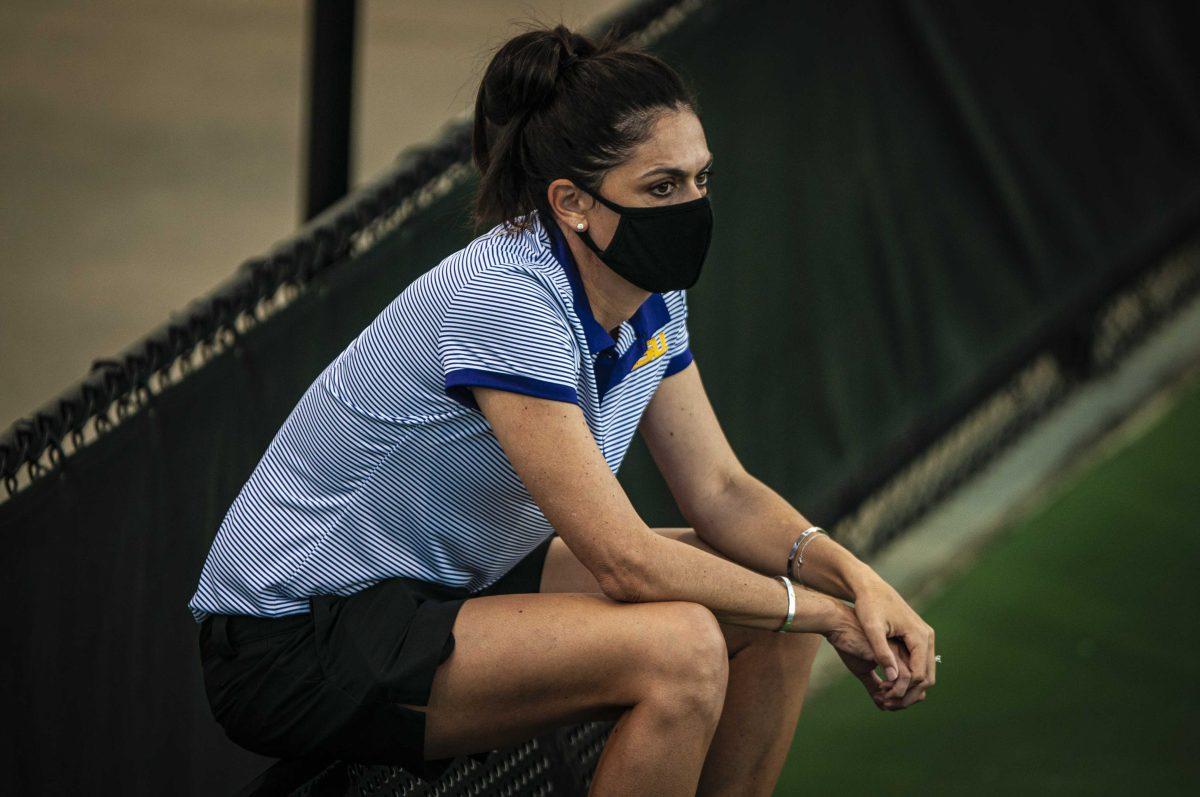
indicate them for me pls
(386, 467)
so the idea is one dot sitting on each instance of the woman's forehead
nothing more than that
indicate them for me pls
(678, 142)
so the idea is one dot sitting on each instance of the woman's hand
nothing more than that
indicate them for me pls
(851, 644)
(915, 694)
(884, 616)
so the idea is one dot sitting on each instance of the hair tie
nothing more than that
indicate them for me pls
(565, 62)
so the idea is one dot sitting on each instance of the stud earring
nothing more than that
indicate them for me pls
(580, 226)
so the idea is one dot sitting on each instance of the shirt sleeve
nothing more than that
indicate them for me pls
(505, 329)
(680, 344)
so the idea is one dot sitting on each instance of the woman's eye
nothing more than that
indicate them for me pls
(701, 180)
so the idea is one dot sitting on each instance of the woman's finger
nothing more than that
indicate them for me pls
(877, 639)
(918, 659)
(915, 695)
(900, 685)
(874, 686)
(932, 679)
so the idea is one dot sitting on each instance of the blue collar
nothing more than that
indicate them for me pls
(647, 319)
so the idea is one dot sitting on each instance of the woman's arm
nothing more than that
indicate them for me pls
(750, 523)
(729, 508)
(553, 451)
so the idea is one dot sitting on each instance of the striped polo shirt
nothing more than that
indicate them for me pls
(386, 467)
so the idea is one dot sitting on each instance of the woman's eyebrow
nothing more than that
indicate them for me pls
(674, 171)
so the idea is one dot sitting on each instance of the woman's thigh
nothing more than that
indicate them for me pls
(524, 664)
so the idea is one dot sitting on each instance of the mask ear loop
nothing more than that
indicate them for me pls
(614, 207)
(634, 211)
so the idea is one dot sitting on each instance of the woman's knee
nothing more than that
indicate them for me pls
(688, 659)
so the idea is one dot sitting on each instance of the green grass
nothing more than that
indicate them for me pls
(1068, 650)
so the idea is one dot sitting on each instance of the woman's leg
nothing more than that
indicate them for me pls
(524, 664)
(768, 678)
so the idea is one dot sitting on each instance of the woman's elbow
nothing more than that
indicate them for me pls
(624, 579)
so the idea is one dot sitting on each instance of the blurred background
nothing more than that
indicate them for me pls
(149, 147)
(950, 312)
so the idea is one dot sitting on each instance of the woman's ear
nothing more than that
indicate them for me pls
(568, 201)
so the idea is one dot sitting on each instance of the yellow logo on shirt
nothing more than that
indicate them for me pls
(655, 347)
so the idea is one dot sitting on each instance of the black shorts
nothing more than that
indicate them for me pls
(329, 683)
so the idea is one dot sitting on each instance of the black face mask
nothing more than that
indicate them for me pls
(660, 248)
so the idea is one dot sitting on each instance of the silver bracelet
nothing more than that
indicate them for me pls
(795, 545)
(800, 556)
(787, 582)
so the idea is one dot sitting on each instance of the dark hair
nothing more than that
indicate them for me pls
(553, 104)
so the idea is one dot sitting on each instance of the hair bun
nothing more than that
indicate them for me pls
(535, 123)
(524, 74)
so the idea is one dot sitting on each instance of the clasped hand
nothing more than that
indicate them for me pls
(882, 630)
